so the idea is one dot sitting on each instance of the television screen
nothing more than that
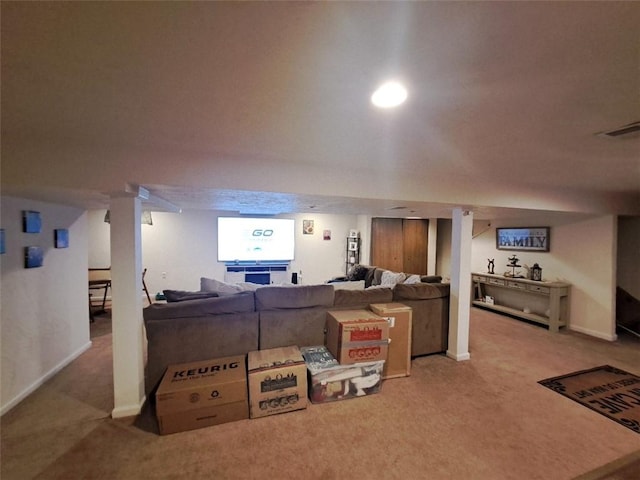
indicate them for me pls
(243, 239)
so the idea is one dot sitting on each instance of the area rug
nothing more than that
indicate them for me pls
(607, 390)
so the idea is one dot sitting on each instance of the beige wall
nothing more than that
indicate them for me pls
(628, 261)
(184, 247)
(582, 253)
(44, 318)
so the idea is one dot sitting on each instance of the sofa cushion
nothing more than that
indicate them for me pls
(362, 298)
(181, 295)
(301, 327)
(221, 288)
(420, 291)
(353, 285)
(242, 302)
(294, 296)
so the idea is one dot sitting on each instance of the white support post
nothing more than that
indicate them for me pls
(432, 248)
(126, 318)
(459, 309)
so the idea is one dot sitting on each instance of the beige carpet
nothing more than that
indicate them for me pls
(486, 418)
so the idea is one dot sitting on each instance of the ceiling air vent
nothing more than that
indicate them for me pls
(624, 130)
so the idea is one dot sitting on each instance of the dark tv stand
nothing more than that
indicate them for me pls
(264, 273)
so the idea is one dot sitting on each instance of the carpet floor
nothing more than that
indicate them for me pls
(486, 418)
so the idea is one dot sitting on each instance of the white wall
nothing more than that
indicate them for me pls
(44, 319)
(582, 253)
(629, 255)
(184, 247)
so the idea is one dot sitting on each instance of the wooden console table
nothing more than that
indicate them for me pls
(546, 303)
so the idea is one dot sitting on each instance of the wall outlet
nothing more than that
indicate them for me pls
(164, 275)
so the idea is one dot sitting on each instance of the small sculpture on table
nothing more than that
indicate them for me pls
(491, 265)
(513, 263)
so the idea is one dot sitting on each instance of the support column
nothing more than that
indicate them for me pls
(432, 248)
(459, 307)
(364, 226)
(126, 291)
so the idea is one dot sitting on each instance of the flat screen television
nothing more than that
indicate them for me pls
(244, 239)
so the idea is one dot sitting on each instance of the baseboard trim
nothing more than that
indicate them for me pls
(39, 382)
(128, 410)
(594, 333)
(460, 357)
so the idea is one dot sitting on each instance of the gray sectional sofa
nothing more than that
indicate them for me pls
(276, 316)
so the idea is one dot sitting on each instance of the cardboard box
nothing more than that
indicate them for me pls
(399, 316)
(202, 417)
(199, 394)
(357, 336)
(329, 381)
(277, 381)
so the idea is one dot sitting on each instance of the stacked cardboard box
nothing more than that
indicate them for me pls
(355, 336)
(398, 316)
(277, 381)
(201, 394)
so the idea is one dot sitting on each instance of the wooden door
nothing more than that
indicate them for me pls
(387, 243)
(415, 235)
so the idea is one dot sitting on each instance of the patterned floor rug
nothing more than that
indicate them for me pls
(607, 390)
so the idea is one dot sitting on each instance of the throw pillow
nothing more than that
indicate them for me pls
(431, 279)
(389, 279)
(357, 273)
(221, 288)
(181, 295)
(411, 279)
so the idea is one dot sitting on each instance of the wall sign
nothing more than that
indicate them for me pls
(526, 239)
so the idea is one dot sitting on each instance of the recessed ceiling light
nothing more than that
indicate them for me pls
(389, 95)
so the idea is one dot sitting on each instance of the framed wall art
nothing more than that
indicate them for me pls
(61, 238)
(33, 257)
(307, 227)
(31, 222)
(525, 239)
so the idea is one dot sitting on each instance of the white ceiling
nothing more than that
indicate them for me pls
(264, 107)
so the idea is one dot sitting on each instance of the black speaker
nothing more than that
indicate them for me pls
(294, 278)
